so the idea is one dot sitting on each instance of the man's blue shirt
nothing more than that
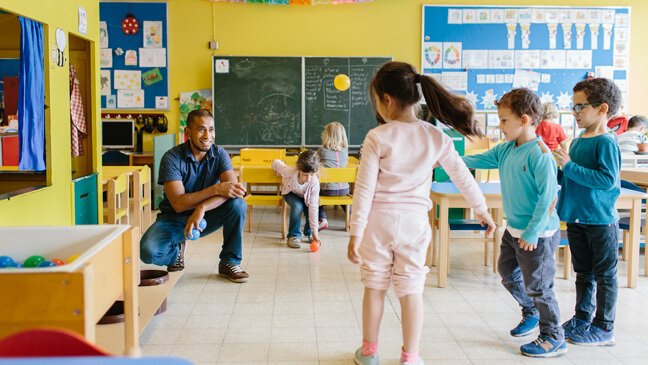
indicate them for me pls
(179, 164)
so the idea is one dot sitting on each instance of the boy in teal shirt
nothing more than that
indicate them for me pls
(590, 188)
(529, 193)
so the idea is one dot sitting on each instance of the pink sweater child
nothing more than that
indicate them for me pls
(311, 195)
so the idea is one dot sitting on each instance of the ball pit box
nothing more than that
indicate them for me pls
(76, 295)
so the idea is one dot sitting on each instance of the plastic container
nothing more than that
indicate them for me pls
(153, 277)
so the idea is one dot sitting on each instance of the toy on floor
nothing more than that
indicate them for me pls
(315, 245)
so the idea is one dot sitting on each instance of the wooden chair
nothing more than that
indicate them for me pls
(261, 175)
(141, 200)
(339, 175)
(624, 223)
(564, 246)
(116, 209)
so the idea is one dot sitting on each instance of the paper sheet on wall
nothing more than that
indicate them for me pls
(620, 48)
(432, 54)
(451, 55)
(105, 82)
(192, 100)
(483, 16)
(580, 35)
(621, 20)
(455, 80)
(605, 72)
(538, 15)
(527, 59)
(130, 58)
(620, 62)
(607, 35)
(607, 16)
(127, 80)
(622, 84)
(454, 16)
(554, 59)
(497, 15)
(103, 35)
(469, 16)
(552, 16)
(553, 30)
(152, 57)
(475, 59)
(528, 79)
(525, 15)
(105, 57)
(566, 120)
(161, 102)
(525, 29)
(567, 35)
(621, 34)
(579, 59)
(130, 98)
(498, 59)
(111, 101)
(594, 16)
(594, 32)
(152, 34)
(510, 34)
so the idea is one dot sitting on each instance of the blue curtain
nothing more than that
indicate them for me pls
(31, 97)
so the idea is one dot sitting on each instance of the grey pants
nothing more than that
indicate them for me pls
(529, 277)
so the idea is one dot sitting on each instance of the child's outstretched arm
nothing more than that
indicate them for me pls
(485, 161)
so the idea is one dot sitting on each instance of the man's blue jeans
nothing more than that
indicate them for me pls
(595, 251)
(159, 245)
(297, 207)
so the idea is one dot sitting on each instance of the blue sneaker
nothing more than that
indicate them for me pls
(360, 359)
(593, 336)
(574, 325)
(527, 325)
(544, 346)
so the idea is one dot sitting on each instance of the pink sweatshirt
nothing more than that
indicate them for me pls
(396, 170)
(311, 196)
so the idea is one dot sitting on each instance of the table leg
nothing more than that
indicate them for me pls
(633, 243)
(497, 235)
(444, 230)
(131, 300)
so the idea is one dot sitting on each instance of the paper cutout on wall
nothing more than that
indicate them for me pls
(546, 97)
(527, 59)
(566, 15)
(451, 54)
(472, 97)
(538, 15)
(553, 30)
(455, 80)
(130, 59)
(483, 16)
(620, 48)
(620, 62)
(525, 33)
(105, 82)
(497, 15)
(488, 100)
(580, 16)
(481, 78)
(469, 16)
(594, 16)
(454, 16)
(152, 34)
(510, 15)
(580, 35)
(152, 57)
(528, 79)
(432, 55)
(552, 59)
(604, 71)
(546, 78)
(127, 80)
(552, 16)
(607, 16)
(567, 33)
(510, 34)
(105, 57)
(130, 98)
(621, 34)
(475, 59)
(579, 59)
(524, 15)
(498, 59)
(607, 35)
(151, 77)
(621, 20)
(594, 32)
(103, 35)
(564, 101)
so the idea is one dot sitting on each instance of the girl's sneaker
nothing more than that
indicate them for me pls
(419, 362)
(323, 224)
(544, 346)
(360, 359)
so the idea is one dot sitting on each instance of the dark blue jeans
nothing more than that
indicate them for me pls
(297, 207)
(529, 277)
(159, 245)
(339, 192)
(595, 251)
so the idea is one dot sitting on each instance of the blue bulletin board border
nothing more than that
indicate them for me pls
(493, 36)
(113, 13)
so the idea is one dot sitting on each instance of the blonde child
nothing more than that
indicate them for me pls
(552, 133)
(333, 153)
(636, 133)
(301, 192)
(529, 194)
(390, 231)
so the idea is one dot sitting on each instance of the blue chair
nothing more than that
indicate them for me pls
(624, 223)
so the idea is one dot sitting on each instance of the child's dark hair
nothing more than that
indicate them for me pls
(601, 90)
(198, 113)
(308, 162)
(522, 101)
(399, 80)
(637, 121)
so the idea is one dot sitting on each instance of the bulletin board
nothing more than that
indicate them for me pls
(138, 76)
(485, 51)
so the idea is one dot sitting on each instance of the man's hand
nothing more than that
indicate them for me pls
(230, 189)
(353, 251)
(194, 220)
(562, 157)
(486, 219)
(526, 246)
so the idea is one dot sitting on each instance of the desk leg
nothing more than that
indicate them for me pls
(432, 249)
(633, 243)
(131, 281)
(444, 230)
(497, 235)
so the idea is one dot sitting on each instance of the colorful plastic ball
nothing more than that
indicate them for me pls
(58, 262)
(33, 261)
(342, 82)
(72, 258)
(6, 261)
(46, 264)
(315, 245)
(195, 234)
(202, 224)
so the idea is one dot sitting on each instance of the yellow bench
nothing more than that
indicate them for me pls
(339, 175)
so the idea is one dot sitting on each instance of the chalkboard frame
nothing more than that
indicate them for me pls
(303, 125)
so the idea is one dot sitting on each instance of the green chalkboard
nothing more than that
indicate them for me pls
(257, 101)
(325, 104)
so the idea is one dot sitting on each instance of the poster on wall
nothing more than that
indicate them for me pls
(103, 35)
(152, 34)
(130, 98)
(105, 82)
(193, 100)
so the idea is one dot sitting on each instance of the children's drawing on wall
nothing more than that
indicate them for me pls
(105, 57)
(432, 54)
(130, 98)
(152, 34)
(103, 35)
(483, 16)
(193, 100)
(105, 82)
(454, 16)
(451, 54)
(161, 102)
(469, 16)
(152, 76)
(152, 57)
(130, 59)
(128, 79)
(111, 102)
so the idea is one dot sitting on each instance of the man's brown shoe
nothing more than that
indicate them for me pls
(233, 272)
(179, 264)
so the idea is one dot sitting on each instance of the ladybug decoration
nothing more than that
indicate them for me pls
(130, 26)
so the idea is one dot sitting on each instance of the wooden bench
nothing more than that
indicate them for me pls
(339, 175)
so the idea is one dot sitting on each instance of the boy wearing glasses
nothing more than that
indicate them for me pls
(590, 188)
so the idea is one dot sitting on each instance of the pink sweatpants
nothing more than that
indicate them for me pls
(395, 241)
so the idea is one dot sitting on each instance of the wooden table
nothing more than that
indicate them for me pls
(636, 175)
(447, 195)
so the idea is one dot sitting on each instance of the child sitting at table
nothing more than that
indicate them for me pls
(333, 153)
(300, 190)
(636, 133)
(529, 193)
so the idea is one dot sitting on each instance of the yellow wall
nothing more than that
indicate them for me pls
(52, 205)
(378, 28)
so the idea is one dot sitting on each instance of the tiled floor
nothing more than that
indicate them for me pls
(305, 308)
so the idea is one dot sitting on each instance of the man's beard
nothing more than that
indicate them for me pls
(198, 148)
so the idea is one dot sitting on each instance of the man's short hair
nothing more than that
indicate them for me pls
(601, 90)
(522, 101)
(637, 121)
(198, 113)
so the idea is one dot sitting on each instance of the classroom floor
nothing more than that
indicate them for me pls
(305, 308)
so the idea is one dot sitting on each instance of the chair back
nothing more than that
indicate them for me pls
(259, 175)
(338, 174)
